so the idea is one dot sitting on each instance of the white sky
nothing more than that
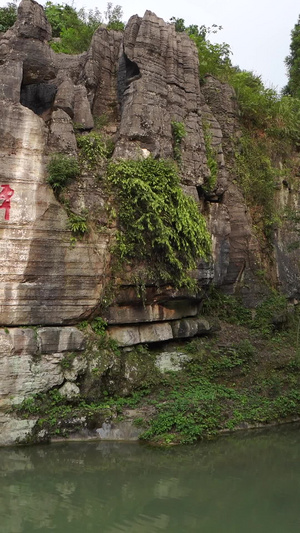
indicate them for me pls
(258, 31)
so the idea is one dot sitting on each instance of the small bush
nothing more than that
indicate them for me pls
(245, 349)
(178, 132)
(94, 149)
(62, 169)
(77, 224)
(99, 326)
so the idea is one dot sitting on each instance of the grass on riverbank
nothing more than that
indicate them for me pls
(239, 378)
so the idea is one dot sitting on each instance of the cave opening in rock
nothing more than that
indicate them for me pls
(127, 73)
(38, 97)
(132, 70)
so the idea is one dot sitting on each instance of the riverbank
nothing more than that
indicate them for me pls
(238, 378)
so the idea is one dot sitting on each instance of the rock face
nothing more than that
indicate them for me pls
(159, 92)
(143, 81)
(138, 83)
(30, 360)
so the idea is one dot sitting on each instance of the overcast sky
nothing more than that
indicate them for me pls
(258, 31)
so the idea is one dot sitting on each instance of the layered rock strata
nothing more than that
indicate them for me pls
(142, 81)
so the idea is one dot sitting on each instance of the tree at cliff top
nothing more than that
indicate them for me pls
(292, 62)
(8, 16)
(72, 29)
(75, 29)
(213, 58)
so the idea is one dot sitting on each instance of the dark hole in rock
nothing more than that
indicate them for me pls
(132, 70)
(127, 73)
(212, 196)
(38, 97)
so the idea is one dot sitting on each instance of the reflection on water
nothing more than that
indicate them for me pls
(238, 484)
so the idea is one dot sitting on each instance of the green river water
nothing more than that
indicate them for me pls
(237, 484)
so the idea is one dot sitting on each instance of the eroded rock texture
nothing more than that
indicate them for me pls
(142, 81)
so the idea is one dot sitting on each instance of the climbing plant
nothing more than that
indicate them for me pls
(178, 132)
(211, 156)
(159, 224)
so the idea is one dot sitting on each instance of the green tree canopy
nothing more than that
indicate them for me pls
(76, 28)
(292, 62)
(8, 16)
(213, 58)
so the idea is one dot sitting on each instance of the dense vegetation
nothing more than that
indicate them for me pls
(8, 16)
(72, 29)
(247, 377)
(159, 224)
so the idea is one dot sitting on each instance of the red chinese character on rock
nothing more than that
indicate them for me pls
(6, 195)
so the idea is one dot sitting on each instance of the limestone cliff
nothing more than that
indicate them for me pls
(142, 80)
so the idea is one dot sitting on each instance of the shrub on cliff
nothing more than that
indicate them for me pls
(159, 224)
(213, 58)
(75, 29)
(61, 169)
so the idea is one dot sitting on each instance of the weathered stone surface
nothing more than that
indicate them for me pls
(66, 339)
(62, 137)
(101, 70)
(237, 251)
(189, 327)
(32, 22)
(171, 361)
(30, 360)
(83, 117)
(131, 314)
(69, 390)
(219, 224)
(65, 97)
(154, 92)
(10, 81)
(286, 241)
(13, 430)
(77, 368)
(42, 272)
(159, 331)
(119, 431)
(130, 335)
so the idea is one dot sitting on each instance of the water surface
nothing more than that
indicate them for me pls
(238, 484)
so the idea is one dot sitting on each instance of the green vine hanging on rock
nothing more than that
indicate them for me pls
(159, 224)
(211, 156)
(179, 133)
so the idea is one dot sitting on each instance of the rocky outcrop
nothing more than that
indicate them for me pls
(30, 360)
(159, 331)
(158, 92)
(138, 84)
